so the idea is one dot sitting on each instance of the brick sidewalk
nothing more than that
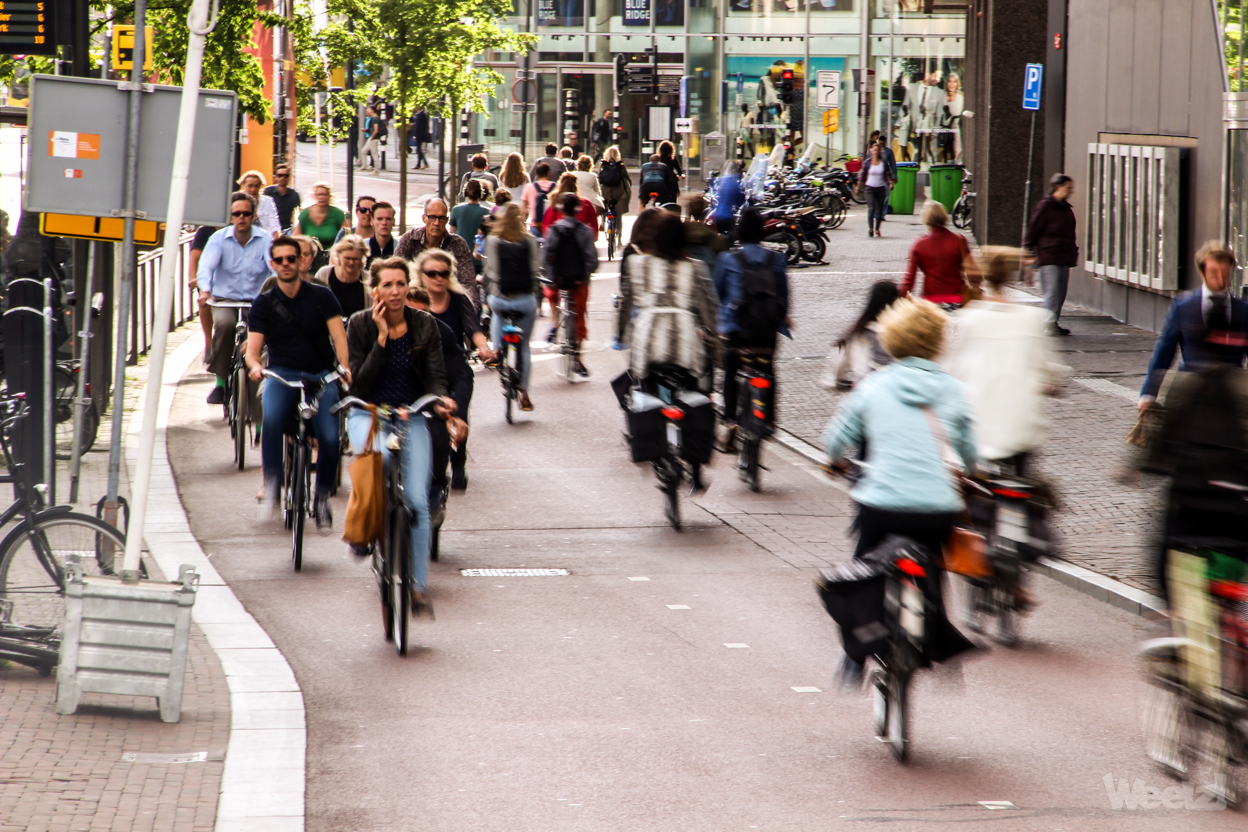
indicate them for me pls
(1104, 525)
(68, 772)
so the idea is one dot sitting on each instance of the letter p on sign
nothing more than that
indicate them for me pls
(1032, 84)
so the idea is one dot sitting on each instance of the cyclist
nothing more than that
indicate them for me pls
(450, 305)
(433, 234)
(753, 292)
(913, 415)
(251, 183)
(231, 270)
(363, 229)
(381, 244)
(535, 196)
(617, 186)
(657, 180)
(301, 324)
(944, 258)
(571, 258)
(396, 358)
(513, 264)
(345, 272)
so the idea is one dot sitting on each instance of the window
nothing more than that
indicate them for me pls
(1133, 214)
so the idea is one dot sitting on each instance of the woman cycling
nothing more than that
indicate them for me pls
(435, 271)
(616, 184)
(396, 357)
(914, 416)
(345, 272)
(513, 267)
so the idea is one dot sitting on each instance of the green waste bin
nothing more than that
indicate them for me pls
(901, 200)
(946, 184)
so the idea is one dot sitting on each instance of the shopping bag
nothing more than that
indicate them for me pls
(366, 509)
(966, 553)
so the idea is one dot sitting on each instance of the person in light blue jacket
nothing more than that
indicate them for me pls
(907, 488)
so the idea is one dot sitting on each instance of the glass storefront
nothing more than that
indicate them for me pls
(725, 64)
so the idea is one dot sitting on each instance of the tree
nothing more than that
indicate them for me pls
(429, 46)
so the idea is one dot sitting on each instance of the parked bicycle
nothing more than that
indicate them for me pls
(963, 213)
(65, 390)
(34, 553)
(392, 556)
(296, 494)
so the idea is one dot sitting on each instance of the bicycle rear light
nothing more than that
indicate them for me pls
(511, 338)
(1011, 493)
(674, 413)
(761, 383)
(911, 567)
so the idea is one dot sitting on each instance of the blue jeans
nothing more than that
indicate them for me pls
(526, 308)
(1053, 281)
(280, 404)
(416, 473)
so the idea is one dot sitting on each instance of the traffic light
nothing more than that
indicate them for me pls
(571, 111)
(621, 74)
(786, 86)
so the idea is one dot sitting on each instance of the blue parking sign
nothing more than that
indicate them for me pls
(1032, 83)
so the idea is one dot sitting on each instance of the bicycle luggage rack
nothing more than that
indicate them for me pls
(125, 638)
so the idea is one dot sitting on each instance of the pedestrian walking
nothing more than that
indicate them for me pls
(267, 220)
(421, 135)
(1051, 239)
(553, 162)
(286, 198)
(571, 259)
(942, 256)
(875, 177)
(480, 171)
(600, 134)
(614, 182)
(433, 234)
(513, 267)
(321, 219)
(372, 140)
(536, 194)
(890, 159)
(363, 219)
(512, 175)
(1206, 327)
(587, 183)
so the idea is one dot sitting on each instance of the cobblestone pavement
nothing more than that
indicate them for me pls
(1105, 524)
(68, 772)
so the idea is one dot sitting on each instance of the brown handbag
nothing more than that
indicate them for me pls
(966, 554)
(366, 508)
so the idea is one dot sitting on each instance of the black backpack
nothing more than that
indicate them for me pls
(539, 204)
(514, 275)
(567, 261)
(655, 177)
(760, 310)
(612, 174)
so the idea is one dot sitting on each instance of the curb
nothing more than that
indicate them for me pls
(263, 782)
(1116, 593)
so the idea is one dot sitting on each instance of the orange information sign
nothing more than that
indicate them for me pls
(67, 145)
(146, 232)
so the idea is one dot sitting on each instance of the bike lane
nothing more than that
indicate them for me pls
(678, 680)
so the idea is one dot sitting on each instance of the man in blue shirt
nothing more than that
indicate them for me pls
(233, 267)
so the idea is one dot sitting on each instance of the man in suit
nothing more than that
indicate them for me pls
(1207, 326)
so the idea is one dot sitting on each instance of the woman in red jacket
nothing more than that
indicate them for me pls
(567, 185)
(944, 258)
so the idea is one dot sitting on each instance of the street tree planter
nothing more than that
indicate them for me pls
(126, 638)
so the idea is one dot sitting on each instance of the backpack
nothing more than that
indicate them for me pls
(539, 205)
(567, 261)
(655, 177)
(514, 275)
(759, 311)
(611, 174)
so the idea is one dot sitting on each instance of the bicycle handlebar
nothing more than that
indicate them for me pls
(326, 379)
(419, 406)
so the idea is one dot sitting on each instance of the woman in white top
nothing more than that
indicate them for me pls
(266, 209)
(587, 183)
(951, 120)
(878, 180)
(1000, 351)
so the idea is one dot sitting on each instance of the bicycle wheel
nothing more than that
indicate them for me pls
(897, 723)
(239, 416)
(397, 545)
(299, 504)
(65, 384)
(748, 462)
(33, 559)
(613, 221)
(669, 484)
(857, 196)
(381, 569)
(961, 214)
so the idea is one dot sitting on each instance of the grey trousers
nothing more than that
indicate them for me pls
(1053, 281)
(224, 319)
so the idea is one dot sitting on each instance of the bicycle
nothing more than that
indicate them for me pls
(905, 611)
(392, 555)
(296, 486)
(238, 392)
(65, 385)
(33, 555)
(565, 334)
(509, 362)
(963, 213)
(755, 412)
(611, 224)
(687, 419)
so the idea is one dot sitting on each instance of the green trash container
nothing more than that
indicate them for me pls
(946, 184)
(901, 200)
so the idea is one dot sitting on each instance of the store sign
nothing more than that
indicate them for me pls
(667, 12)
(562, 13)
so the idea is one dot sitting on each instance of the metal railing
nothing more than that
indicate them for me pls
(143, 305)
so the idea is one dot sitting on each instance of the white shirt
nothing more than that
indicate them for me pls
(266, 216)
(875, 176)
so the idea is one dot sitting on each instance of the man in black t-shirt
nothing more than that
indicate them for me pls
(285, 197)
(301, 323)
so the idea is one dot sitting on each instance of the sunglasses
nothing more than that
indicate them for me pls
(432, 217)
(281, 176)
(443, 273)
(287, 260)
(241, 213)
(364, 210)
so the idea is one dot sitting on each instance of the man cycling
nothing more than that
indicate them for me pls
(754, 300)
(396, 358)
(231, 271)
(657, 181)
(381, 244)
(301, 323)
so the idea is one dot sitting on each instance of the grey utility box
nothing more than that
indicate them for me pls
(714, 153)
(125, 638)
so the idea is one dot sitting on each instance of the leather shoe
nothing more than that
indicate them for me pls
(217, 396)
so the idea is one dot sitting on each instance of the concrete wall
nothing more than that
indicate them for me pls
(1146, 68)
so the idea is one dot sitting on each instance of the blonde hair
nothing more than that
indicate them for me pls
(584, 163)
(425, 256)
(934, 215)
(347, 243)
(567, 185)
(248, 174)
(999, 265)
(509, 223)
(913, 328)
(612, 154)
(326, 186)
(317, 248)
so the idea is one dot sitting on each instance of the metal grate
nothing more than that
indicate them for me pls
(512, 573)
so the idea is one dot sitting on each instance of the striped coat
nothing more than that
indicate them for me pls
(675, 302)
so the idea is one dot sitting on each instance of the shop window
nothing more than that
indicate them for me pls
(1133, 214)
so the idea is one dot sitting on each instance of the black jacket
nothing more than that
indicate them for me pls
(367, 357)
(1051, 233)
(458, 373)
(420, 127)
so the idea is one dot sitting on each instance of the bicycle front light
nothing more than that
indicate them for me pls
(307, 411)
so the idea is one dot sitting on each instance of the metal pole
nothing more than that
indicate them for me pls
(198, 23)
(316, 105)
(84, 356)
(1031, 149)
(49, 404)
(892, 68)
(127, 265)
(354, 137)
(864, 59)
